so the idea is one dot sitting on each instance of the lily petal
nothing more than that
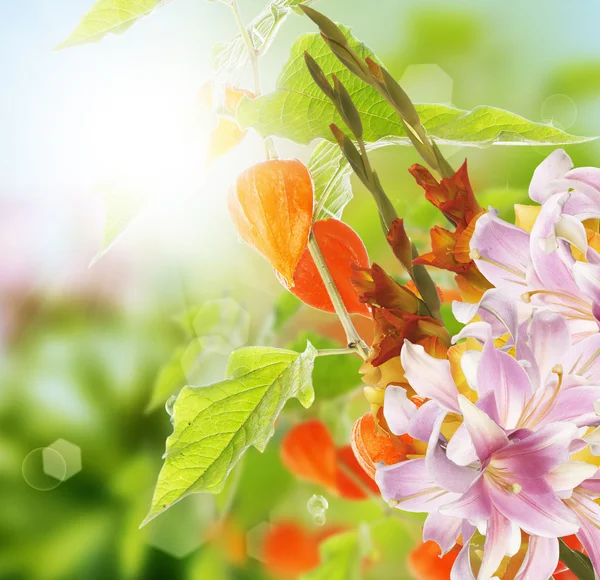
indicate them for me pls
(443, 530)
(553, 167)
(474, 505)
(398, 409)
(410, 484)
(536, 509)
(549, 338)
(487, 436)
(428, 376)
(589, 533)
(570, 474)
(537, 455)
(541, 559)
(501, 252)
(460, 448)
(501, 374)
(446, 473)
(497, 543)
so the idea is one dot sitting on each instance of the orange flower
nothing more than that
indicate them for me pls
(342, 249)
(424, 562)
(450, 250)
(289, 550)
(271, 207)
(309, 452)
(397, 314)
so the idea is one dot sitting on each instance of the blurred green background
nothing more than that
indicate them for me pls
(81, 347)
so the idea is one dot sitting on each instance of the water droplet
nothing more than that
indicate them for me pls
(169, 406)
(317, 506)
(319, 519)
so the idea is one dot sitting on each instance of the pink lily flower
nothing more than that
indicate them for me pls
(504, 491)
(540, 268)
(550, 380)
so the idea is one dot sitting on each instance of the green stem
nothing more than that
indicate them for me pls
(253, 56)
(355, 342)
(336, 351)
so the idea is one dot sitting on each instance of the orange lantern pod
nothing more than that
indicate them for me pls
(341, 248)
(271, 207)
(372, 445)
(289, 550)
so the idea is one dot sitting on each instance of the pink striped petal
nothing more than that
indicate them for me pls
(536, 509)
(410, 484)
(497, 543)
(474, 505)
(589, 533)
(502, 375)
(428, 376)
(570, 474)
(462, 569)
(549, 338)
(487, 436)
(553, 167)
(398, 410)
(443, 530)
(446, 473)
(541, 559)
(501, 252)
(537, 455)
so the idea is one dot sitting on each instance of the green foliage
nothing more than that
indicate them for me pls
(577, 562)
(109, 17)
(213, 330)
(228, 57)
(340, 555)
(333, 375)
(299, 111)
(223, 318)
(214, 425)
(331, 177)
(286, 306)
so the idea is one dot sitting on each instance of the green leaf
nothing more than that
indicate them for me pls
(214, 425)
(299, 111)
(228, 57)
(218, 327)
(121, 206)
(335, 375)
(173, 375)
(223, 317)
(109, 17)
(331, 178)
(340, 559)
(577, 562)
(331, 173)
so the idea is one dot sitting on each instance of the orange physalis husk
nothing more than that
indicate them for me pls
(352, 481)
(290, 550)
(342, 249)
(372, 444)
(309, 452)
(425, 563)
(271, 207)
(222, 102)
(454, 197)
